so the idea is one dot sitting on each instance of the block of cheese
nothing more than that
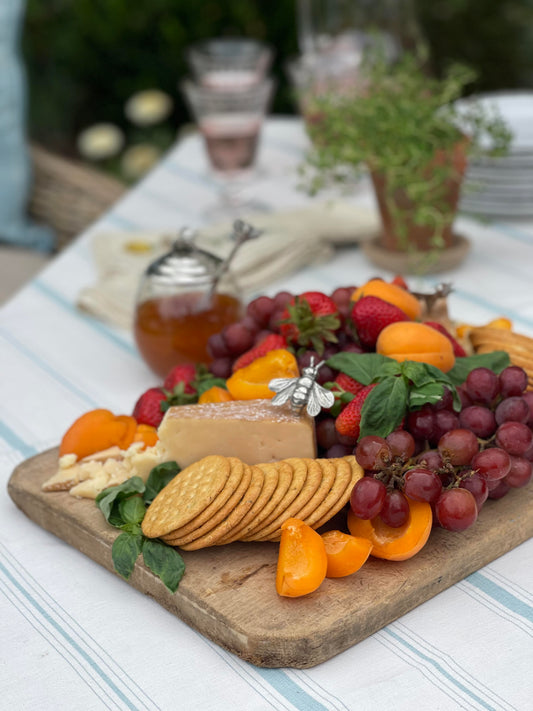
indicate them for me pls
(252, 430)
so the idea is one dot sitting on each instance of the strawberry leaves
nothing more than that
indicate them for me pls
(406, 386)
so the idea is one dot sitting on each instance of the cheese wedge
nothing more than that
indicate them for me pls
(253, 430)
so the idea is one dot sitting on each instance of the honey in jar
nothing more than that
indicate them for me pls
(177, 310)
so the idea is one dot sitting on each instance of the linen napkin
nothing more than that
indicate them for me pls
(290, 241)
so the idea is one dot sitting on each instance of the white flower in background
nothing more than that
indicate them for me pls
(100, 141)
(149, 107)
(137, 160)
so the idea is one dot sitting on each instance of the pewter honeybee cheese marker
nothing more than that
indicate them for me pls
(302, 391)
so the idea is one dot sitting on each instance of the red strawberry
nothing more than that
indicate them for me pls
(400, 281)
(349, 421)
(370, 315)
(270, 343)
(458, 349)
(349, 384)
(311, 319)
(148, 408)
(185, 374)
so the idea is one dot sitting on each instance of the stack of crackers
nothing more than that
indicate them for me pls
(219, 500)
(485, 339)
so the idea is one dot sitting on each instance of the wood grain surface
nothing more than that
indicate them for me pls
(228, 592)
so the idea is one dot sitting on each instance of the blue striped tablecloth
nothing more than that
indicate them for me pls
(73, 635)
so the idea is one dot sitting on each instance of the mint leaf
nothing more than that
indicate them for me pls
(363, 367)
(496, 361)
(158, 478)
(125, 551)
(163, 561)
(384, 407)
(105, 499)
(428, 393)
(132, 510)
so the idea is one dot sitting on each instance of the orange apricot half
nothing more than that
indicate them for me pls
(302, 560)
(97, 430)
(345, 553)
(416, 341)
(395, 543)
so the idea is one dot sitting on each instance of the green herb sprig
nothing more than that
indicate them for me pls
(403, 387)
(124, 507)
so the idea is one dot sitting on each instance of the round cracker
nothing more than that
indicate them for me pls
(208, 514)
(309, 488)
(237, 514)
(183, 498)
(284, 474)
(270, 481)
(299, 469)
(218, 516)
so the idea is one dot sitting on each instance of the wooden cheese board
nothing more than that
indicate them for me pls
(228, 592)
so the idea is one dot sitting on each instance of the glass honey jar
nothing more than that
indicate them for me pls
(182, 300)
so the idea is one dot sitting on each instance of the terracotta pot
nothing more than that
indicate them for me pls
(420, 237)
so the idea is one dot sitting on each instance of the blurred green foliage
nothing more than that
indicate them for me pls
(84, 58)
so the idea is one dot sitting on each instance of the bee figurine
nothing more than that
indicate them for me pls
(302, 391)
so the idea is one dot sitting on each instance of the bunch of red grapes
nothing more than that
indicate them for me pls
(453, 461)
(263, 316)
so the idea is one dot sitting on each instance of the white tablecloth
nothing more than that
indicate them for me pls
(73, 635)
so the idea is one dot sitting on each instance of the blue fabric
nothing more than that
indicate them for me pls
(15, 174)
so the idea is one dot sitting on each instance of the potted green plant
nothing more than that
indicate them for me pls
(407, 129)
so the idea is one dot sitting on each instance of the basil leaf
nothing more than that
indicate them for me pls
(134, 528)
(363, 367)
(163, 561)
(204, 385)
(429, 392)
(417, 373)
(125, 551)
(132, 509)
(158, 478)
(496, 361)
(106, 498)
(384, 407)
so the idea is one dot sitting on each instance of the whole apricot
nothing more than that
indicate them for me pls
(391, 293)
(416, 341)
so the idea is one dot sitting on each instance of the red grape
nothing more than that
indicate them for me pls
(373, 452)
(221, 367)
(326, 434)
(478, 487)
(250, 324)
(401, 443)
(395, 510)
(528, 397)
(422, 484)
(456, 509)
(431, 459)
(479, 420)
(482, 384)
(238, 338)
(421, 423)
(520, 472)
(464, 397)
(353, 348)
(338, 450)
(281, 299)
(275, 320)
(445, 420)
(513, 381)
(459, 446)
(367, 497)
(260, 310)
(514, 437)
(513, 409)
(261, 335)
(446, 401)
(500, 490)
(216, 346)
(492, 464)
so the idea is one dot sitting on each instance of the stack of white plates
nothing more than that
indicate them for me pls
(504, 186)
